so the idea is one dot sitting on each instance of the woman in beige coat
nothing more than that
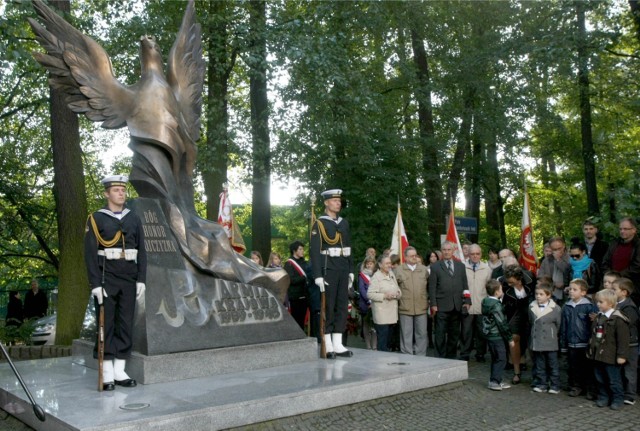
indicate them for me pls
(384, 294)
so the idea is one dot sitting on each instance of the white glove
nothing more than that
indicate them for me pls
(99, 293)
(320, 283)
(140, 287)
(351, 277)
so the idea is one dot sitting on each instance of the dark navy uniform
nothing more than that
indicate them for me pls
(331, 259)
(116, 260)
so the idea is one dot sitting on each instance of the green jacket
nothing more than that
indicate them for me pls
(494, 322)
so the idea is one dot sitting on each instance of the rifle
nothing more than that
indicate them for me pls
(323, 346)
(100, 346)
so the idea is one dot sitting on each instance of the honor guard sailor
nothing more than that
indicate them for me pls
(117, 264)
(332, 265)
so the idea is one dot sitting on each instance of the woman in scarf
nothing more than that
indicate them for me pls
(582, 266)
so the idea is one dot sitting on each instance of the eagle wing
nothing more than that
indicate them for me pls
(185, 71)
(81, 69)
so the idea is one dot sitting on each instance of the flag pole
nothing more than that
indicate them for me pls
(398, 220)
(535, 255)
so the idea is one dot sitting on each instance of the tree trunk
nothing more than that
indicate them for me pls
(261, 208)
(214, 156)
(473, 185)
(613, 209)
(635, 12)
(71, 210)
(430, 166)
(588, 153)
(493, 199)
(462, 146)
(553, 183)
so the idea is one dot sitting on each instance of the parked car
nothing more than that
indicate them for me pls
(44, 332)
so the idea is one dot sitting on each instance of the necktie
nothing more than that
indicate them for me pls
(450, 267)
(474, 267)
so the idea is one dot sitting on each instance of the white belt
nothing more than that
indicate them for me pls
(337, 251)
(116, 253)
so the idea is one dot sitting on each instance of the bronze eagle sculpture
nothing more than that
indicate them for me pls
(162, 112)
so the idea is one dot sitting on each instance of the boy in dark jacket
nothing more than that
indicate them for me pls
(496, 330)
(623, 288)
(609, 348)
(575, 331)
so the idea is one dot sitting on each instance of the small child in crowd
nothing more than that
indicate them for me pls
(609, 348)
(623, 288)
(574, 337)
(545, 317)
(496, 330)
(609, 278)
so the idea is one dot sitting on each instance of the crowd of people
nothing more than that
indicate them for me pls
(581, 301)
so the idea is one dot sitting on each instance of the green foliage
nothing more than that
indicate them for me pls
(344, 113)
(17, 334)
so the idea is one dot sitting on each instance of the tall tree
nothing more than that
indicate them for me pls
(635, 12)
(588, 153)
(71, 210)
(213, 157)
(261, 153)
(428, 143)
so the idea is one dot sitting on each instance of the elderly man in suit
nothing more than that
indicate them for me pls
(447, 287)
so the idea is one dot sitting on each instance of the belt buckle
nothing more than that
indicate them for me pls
(122, 255)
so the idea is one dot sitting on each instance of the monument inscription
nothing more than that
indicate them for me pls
(156, 238)
(199, 311)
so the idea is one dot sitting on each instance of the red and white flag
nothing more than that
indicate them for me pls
(399, 241)
(228, 223)
(528, 259)
(452, 237)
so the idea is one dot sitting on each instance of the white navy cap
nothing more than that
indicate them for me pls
(115, 180)
(330, 194)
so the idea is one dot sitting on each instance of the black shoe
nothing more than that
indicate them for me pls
(108, 387)
(128, 383)
(331, 355)
(345, 354)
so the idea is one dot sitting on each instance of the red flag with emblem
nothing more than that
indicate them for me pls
(452, 237)
(528, 259)
(399, 240)
(228, 223)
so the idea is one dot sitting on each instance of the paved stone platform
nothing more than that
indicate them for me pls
(205, 363)
(466, 405)
(67, 392)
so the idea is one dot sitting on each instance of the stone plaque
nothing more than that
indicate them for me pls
(185, 309)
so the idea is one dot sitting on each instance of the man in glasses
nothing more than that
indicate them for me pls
(623, 255)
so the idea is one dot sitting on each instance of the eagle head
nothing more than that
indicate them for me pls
(150, 55)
